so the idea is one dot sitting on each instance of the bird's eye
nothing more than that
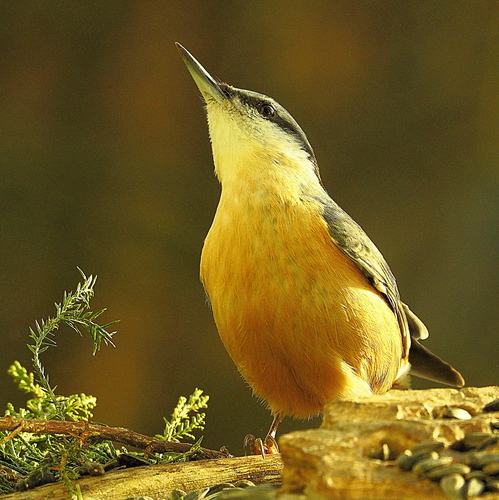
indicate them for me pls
(267, 111)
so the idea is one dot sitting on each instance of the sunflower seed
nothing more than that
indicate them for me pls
(478, 474)
(491, 441)
(196, 495)
(474, 487)
(491, 469)
(244, 483)
(428, 446)
(437, 474)
(492, 484)
(455, 412)
(423, 466)
(177, 495)
(453, 486)
(219, 487)
(407, 459)
(492, 406)
(479, 459)
(474, 439)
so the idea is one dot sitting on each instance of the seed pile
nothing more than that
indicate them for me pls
(467, 468)
(242, 490)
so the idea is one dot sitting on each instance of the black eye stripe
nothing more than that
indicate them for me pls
(225, 89)
(280, 117)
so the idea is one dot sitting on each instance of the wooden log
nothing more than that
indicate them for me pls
(158, 481)
(334, 462)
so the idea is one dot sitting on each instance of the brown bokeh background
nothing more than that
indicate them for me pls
(105, 164)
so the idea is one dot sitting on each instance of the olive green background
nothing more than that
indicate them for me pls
(105, 164)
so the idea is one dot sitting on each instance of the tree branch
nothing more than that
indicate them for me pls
(86, 430)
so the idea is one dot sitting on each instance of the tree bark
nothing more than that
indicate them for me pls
(158, 481)
(87, 431)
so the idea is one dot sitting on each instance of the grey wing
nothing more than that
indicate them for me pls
(354, 242)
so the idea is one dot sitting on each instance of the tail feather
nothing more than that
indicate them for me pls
(417, 328)
(423, 362)
(427, 365)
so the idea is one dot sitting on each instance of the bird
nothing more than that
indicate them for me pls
(304, 302)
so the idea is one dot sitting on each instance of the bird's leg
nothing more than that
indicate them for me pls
(270, 442)
(268, 446)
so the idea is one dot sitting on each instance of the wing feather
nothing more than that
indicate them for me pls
(354, 242)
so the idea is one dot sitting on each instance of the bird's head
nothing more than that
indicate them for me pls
(249, 130)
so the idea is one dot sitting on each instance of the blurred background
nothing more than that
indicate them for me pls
(106, 164)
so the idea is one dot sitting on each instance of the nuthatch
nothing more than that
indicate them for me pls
(304, 302)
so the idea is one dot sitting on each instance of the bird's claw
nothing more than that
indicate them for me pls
(258, 446)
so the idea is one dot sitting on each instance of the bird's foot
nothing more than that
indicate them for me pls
(258, 446)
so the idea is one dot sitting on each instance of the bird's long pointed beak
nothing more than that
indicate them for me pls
(205, 82)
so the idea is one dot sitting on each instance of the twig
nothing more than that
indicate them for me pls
(85, 430)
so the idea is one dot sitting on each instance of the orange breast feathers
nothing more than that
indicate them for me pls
(301, 322)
